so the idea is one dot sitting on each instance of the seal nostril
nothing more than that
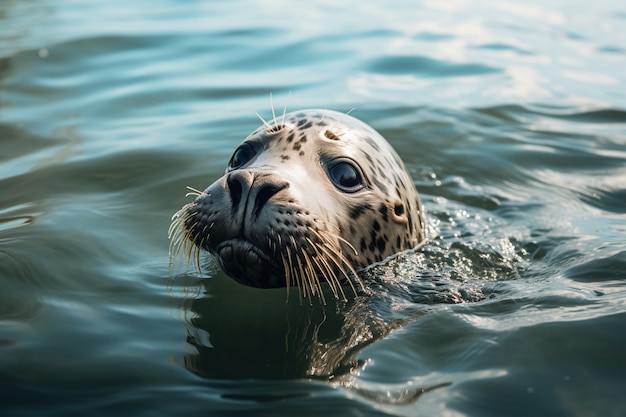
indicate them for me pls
(235, 188)
(265, 192)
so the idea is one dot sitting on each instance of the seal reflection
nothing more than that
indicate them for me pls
(264, 335)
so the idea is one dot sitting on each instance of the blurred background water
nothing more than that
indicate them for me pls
(510, 115)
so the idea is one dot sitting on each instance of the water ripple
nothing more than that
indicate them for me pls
(427, 67)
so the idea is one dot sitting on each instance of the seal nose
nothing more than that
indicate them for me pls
(247, 188)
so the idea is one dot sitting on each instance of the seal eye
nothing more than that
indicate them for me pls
(243, 154)
(346, 176)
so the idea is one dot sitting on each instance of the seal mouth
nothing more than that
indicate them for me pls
(248, 264)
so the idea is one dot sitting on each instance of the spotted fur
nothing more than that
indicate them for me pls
(313, 197)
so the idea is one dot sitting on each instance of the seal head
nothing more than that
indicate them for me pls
(313, 197)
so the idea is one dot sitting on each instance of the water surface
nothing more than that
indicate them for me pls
(511, 117)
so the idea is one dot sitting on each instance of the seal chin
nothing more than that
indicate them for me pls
(248, 264)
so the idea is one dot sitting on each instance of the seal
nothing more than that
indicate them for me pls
(313, 197)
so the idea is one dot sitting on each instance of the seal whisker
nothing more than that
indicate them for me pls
(174, 226)
(190, 251)
(335, 235)
(181, 212)
(295, 272)
(176, 239)
(176, 247)
(316, 279)
(335, 283)
(348, 244)
(285, 109)
(309, 292)
(273, 112)
(190, 247)
(194, 192)
(178, 234)
(269, 126)
(274, 240)
(306, 290)
(325, 269)
(280, 240)
(197, 259)
(332, 256)
(287, 272)
(331, 279)
(174, 234)
(350, 271)
(313, 278)
(180, 242)
(340, 260)
(206, 235)
(193, 252)
(306, 287)
(331, 252)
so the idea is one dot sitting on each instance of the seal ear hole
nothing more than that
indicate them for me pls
(399, 213)
(276, 128)
(331, 135)
(398, 209)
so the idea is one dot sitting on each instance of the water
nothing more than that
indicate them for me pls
(510, 116)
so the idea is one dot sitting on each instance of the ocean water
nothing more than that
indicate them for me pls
(510, 115)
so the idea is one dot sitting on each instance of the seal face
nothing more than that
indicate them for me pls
(313, 197)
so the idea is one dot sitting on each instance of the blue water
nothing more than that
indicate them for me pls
(511, 117)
